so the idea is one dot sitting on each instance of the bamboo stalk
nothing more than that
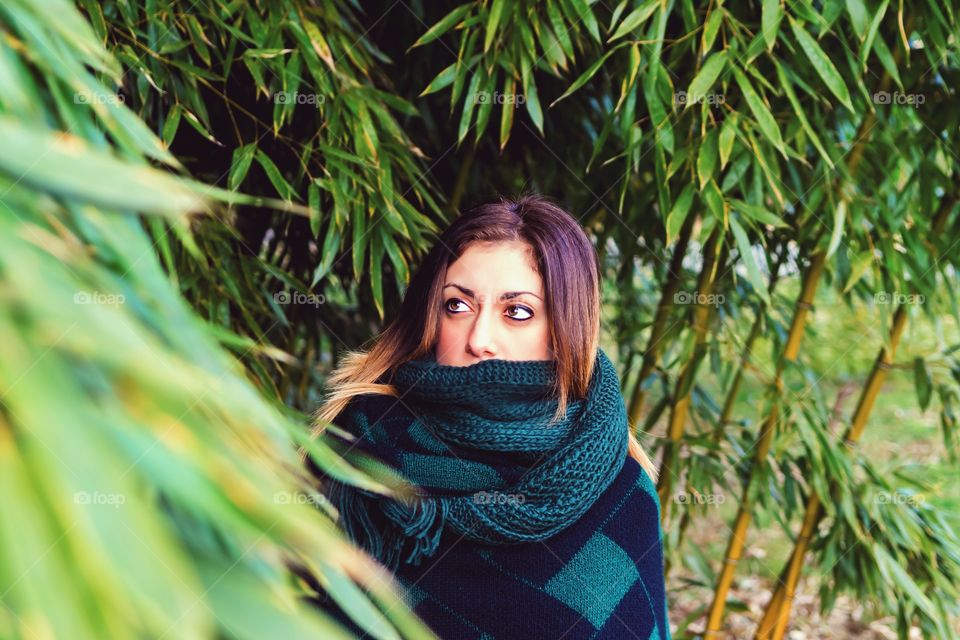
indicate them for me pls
(627, 367)
(747, 350)
(734, 388)
(775, 618)
(681, 399)
(773, 625)
(742, 522)
(658, 329)
(795, 335)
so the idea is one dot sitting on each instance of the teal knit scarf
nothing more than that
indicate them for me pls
(478, 445)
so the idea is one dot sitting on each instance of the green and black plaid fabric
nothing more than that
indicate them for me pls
(523, 528)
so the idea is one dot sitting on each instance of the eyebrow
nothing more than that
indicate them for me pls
(509, 295)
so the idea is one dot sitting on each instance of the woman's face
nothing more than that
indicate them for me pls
(492, 306)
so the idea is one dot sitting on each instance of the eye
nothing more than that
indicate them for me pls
(523, 310)
(453, 301)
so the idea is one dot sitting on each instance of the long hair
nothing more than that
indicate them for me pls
(566, 261)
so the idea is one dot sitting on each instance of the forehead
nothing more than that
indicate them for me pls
(496, 266)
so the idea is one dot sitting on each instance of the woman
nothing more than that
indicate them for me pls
(535, 513)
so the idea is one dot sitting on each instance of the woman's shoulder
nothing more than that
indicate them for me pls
(366, 409)
(631, 497)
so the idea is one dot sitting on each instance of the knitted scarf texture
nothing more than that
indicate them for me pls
(486, 460)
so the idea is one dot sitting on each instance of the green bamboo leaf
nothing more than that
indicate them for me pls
(443, 25)
(708, 74)
(265, 54)
(400, 266)
(532, 102)
(469, 104)
(279, 183)
(171, 124)
(770, 17)
(821, 64)
(757, 213)
(801, 115)
(368, 142)
(627, 85)
(66, 166)
(359, 246)
(493, 19)
(839, 222)
(635, 18)
(240, 165)
(728, 134)
(507, 112)
(589, 73)
(376, 274)
(357, 604)
(872, 33)
(713, 199)
(895, 574)
(887, 61)
(617, 12)
(768, 126)
(678, 214)
(711, 29)
(198, 37)
(486, 106)
(859, 265)
(194, 122)
(443, 80)
(707, 158)
(319, 43)
(560, 27)
(749, 259)
(585, 14)
(858, 16)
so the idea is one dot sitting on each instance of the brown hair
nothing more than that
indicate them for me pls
(565, 260)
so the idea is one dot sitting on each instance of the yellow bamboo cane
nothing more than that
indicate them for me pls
(681, 399)
(773, 625)
(658, 329)
(775, 618)
(742, 522)
(734, 388)
(737, 538)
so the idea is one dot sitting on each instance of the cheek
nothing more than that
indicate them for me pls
(449, 331)
(538, 339)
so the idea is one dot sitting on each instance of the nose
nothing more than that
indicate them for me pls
(480, 342)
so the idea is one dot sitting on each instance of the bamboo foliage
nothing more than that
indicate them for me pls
(774, 622)
(153, 488)
(681, 399)
(259, 179)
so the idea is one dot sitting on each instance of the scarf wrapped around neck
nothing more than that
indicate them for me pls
(479, 446)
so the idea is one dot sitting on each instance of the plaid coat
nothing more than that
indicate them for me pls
(601, 577)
